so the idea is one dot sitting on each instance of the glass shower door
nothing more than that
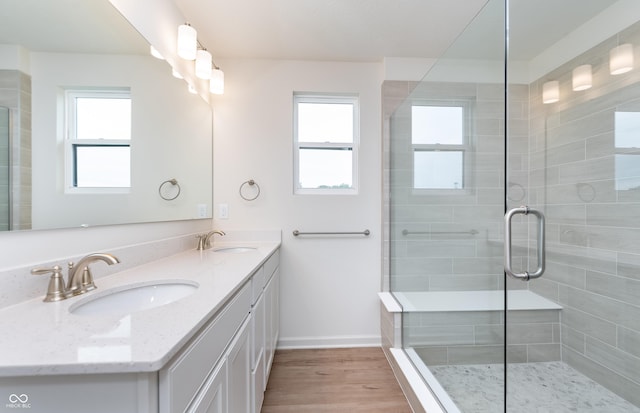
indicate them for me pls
(573, 139)
(446, 186)
(5, 176)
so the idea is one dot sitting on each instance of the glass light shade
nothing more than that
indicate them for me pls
(582, 78)
(187, 42)
(155, 53)
(621, 59)
(551, 92)
(203, 64)
(216, 83)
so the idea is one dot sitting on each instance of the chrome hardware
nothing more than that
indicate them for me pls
(204, 240)
(174, 183)
(200, 238)
(56, 291)
(526, 276)
(366, 232)
(251, 183)
(470, 232)
(80, 278)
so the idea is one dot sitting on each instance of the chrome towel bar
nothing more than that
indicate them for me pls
(366, 232)
(470, 232)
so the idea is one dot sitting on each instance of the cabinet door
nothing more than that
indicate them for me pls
(272, 318)
(239, 372)
(257, 354)
(257, 330)
(213, 397)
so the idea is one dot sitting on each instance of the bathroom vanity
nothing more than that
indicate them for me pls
(209, 351)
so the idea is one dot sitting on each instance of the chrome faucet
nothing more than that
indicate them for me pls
(204, 240)
(80, 278)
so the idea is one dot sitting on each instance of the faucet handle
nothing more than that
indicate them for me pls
(201, 241)
(57, 290)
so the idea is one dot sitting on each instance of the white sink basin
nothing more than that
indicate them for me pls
(234, 250)
(134, 297)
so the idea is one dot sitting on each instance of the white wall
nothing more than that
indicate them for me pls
(171, 138)
(13, 57)
(329, 285)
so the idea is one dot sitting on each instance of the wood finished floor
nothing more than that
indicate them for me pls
(350, 380)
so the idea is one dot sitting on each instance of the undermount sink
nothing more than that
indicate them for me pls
(234, 250)
(134, 297)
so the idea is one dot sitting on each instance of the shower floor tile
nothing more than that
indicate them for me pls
(551, 387)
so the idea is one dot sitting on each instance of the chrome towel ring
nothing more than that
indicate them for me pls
(173, 182)
(251, 183)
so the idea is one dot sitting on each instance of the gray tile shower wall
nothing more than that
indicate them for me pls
(564, 160)
(15, 94)
(447, 240)
(592, 202)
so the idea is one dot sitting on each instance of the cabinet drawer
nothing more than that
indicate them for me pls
(182, 378)
(257, 284)
(271, 264)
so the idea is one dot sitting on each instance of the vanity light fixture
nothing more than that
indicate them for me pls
(621, 59)
(582, 78)
(187, 41)
(203, 64)
(216, 83)
(155, 53)
(550, 92)
(189, 48)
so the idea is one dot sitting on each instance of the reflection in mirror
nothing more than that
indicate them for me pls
(4, 169)
(627, 167)
(50, 54)
(591, 142)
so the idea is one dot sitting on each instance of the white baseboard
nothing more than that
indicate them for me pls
(329, 342)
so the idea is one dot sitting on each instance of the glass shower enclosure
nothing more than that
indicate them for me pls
(5, 169)
(513, 210)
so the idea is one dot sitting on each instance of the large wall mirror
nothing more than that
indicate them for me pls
(60, 60)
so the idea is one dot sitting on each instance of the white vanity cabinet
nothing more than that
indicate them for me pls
(263, 335)
(272, 314)
(225, 368)
(183, 377)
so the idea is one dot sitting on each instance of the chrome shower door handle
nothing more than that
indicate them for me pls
(525, 276)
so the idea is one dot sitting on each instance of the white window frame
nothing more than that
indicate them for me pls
(625, 149)
(71, 141)
(352, 146)
(464, 147)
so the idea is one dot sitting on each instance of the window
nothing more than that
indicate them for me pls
(326, 130)
(439, 142)
(98, 140)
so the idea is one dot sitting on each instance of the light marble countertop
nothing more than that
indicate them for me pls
(39, 338)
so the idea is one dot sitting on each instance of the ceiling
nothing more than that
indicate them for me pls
(330, 30)
(369, 30)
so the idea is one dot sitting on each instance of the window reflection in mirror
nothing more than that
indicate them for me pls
(98, 149)
(627, 144)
